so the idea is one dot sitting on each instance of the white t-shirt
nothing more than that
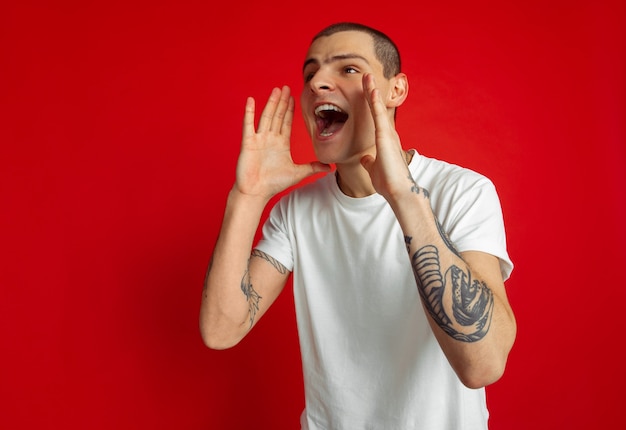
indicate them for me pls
(370, 359)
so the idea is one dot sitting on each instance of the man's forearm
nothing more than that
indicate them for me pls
(229, 302)
(472, 324)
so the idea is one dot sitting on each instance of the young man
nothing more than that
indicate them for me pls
(398, 260)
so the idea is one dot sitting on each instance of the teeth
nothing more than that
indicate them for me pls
(326, 107)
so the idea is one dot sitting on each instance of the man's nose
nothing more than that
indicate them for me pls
(321, 82)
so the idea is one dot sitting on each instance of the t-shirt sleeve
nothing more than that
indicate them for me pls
(476, 224)
(275, 240)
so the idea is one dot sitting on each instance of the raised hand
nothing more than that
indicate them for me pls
(388, 168)
(265, 166)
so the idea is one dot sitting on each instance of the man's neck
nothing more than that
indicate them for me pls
(354, 181)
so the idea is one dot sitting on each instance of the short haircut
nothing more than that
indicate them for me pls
(385, 49)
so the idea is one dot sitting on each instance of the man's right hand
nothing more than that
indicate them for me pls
(265, 166)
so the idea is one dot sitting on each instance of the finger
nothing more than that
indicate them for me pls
(369, 89)
(367, 161)
(318, 167)
(305, 170)
(281, 110)
(377, 107)
(265, 121)
(288, 121)
(248, 118)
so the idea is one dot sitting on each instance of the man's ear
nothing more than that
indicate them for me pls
(399, 90)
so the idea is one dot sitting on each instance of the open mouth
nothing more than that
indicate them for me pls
(330, 119)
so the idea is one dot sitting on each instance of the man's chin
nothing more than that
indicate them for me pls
(325, 157)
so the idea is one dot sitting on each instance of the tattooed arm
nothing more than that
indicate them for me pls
(463, 293)
(241, 285)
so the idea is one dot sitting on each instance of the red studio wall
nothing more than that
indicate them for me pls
(119, 132)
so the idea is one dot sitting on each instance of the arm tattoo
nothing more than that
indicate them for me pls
(252, 297)
(206, 277)
(416, 189)
(281, 269)
(407, 242)
(461, 306)
(446, 238)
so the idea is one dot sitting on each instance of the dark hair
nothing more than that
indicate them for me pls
(385, 49)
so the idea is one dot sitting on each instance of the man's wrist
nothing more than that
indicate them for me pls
(238, 197)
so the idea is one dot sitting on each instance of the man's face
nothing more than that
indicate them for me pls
(334, 107)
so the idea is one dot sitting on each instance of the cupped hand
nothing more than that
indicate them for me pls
(265, 166)
(388, 167)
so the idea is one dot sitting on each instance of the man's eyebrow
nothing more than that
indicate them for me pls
(334, 58)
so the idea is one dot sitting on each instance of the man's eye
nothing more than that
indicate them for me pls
(350, 70)
(308, 77)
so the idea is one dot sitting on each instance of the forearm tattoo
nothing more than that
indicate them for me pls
(460, 305)
(446, 238)
(206, 276)
(416, 189)
(407, 242)
(252, 297)
(281, 269)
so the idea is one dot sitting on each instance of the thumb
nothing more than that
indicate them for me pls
(318, 167)
(367, 161)
(306, 170)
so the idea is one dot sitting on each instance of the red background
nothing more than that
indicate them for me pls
(119, 132)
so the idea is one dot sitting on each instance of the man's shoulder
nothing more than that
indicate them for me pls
(444, 173)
